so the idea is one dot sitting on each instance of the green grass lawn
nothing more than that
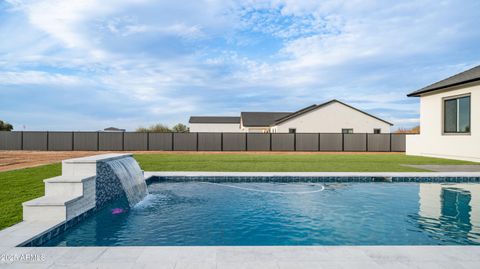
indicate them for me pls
(285, 163)
(25, 184)
(19, 186)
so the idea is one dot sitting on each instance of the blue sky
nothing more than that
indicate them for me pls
(90, 64)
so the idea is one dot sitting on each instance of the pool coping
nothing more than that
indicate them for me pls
(149, 174)
(317, 177)
(96, 158)
(265, 257)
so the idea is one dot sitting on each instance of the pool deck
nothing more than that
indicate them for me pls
(446, 168)
(246, 257)
(234, 257)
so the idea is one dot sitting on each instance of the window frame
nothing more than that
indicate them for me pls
(379, 130)
(457, 98)
(292, 130)
(343, 129)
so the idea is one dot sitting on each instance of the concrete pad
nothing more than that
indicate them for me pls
(95, 266)
(246, 254)
(120, 255)
(158, 265)
(174, 254)
(348, 254)
(81, 255)
(248, 265)
(26, 266)
(329, 264)
(195, 265)
(256, 257)
(447, 168)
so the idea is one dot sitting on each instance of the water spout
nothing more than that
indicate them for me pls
(131, 177)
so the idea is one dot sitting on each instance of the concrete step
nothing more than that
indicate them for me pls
(48, 208)
(87, 166)
(65, 185)
(71, 194)
(65, 197)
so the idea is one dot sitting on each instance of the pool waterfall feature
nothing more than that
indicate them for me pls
(131, 177)
(87, 185)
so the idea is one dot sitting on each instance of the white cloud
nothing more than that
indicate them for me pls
(175, 58)
(126, 26)
(36, 77)
(63, 20)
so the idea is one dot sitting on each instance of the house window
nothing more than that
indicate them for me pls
(292, 130)
(377, 131)
(456, 115)
(347, 131)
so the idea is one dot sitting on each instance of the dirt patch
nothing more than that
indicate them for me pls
(11, 160)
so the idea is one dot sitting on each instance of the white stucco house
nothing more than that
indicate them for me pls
(449, 118)
(213, 124)
(330, 117)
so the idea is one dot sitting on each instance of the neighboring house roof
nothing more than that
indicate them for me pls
(209, 119)
(296, 113)
(467, 76)
(314, 107)
(114, 129)
(267, 119)
(261, 119)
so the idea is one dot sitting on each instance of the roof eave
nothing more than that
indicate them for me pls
(295, 114)
(194, 120)
(213, 122)
(420, 92)
(265, 126)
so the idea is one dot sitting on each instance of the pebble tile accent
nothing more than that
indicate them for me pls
(286, 179)
(108, 186)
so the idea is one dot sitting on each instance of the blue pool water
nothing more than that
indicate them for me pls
(230, 214)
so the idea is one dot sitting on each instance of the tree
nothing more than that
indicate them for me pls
(5, 126)
(156, 128)
(162, 128)
(413, 130)
(180, 128)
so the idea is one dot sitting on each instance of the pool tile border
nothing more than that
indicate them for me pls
(315, 179)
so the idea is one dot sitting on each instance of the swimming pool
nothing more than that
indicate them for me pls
(240, 214)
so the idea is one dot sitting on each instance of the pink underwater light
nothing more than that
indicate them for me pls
(117, 211)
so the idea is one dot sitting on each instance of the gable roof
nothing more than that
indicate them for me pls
(467, 76)
(261, 119)
(296, 113)
(314, 107)
(266, 119)
(210, 119)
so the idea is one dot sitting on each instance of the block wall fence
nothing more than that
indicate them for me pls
(135, 141)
